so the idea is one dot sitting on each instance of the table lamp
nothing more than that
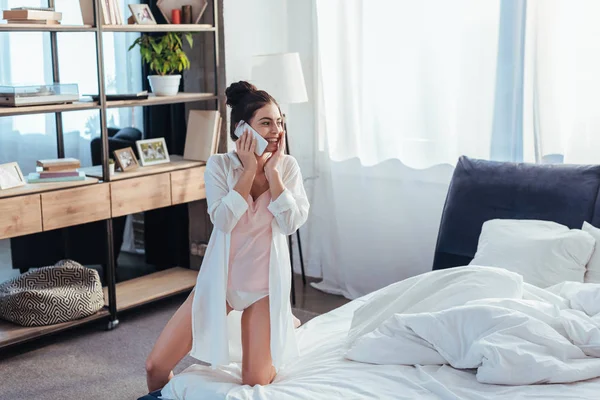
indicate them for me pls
(281, 76)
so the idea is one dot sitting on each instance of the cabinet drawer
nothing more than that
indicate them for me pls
(188, 185)
(70, 207)
(20, 216)
(134, 195)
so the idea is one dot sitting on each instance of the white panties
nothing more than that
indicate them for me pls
(239, 301)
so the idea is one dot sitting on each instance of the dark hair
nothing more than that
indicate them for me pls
(245, 99)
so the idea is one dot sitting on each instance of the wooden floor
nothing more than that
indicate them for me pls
(310, 299)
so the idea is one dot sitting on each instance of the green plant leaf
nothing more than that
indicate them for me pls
(157, 48)
(164, 55)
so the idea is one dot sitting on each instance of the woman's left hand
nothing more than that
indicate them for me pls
(272, 164)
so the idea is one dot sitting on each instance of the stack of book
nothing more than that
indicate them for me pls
(32, 15)
(57, 170)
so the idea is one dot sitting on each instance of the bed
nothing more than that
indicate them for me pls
(479, 191)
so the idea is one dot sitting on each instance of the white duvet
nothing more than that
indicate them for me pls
(323, 371)
(515, 334)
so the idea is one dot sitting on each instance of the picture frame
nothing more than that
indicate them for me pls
(152, 151)
(142, 14)
(126, 159)
(11, 176)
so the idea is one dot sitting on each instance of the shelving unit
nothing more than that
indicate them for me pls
(53, 108)
(46, 206)
(157, 100)
(155, 286)
(45, 28)
(177, 163)
(159, 28)
(32, 188)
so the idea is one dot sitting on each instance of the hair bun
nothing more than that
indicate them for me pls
(236, 92)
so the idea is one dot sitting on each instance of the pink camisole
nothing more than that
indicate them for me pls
(250, 247)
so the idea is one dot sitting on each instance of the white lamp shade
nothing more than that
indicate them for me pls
(281, 76)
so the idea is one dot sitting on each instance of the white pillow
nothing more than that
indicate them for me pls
(593, 267)
(544, 253)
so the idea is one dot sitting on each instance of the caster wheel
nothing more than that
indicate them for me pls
(112, 324)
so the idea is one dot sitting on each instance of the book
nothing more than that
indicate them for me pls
(202, 128)
(217, 136)
(143, 95)
(34, 177)
(61, 174)
(33, 21)
(59, 162)
(34, 8)
(118, 13)
(32, 15)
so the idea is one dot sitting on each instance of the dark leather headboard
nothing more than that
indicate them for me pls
(482, 190)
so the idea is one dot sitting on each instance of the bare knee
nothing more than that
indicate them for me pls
(156, 369)
(151, 366)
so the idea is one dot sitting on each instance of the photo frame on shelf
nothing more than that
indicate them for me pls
(126, 159)
(153, 151)
(142, 14)
(11, 176)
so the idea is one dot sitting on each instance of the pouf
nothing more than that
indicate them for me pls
(50, 295)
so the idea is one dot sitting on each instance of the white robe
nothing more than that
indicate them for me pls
(225, 207)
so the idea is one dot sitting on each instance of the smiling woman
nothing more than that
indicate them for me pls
(254, 202)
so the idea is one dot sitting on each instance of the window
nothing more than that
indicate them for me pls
(25, 58)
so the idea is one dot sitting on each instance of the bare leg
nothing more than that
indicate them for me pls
(257, 365)
(174, 343)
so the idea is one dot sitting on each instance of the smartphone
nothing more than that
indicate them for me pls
(261, 143)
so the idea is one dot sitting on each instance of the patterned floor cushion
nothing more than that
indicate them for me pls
(64, 292)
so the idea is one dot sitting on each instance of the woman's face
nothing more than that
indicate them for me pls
(268, 123)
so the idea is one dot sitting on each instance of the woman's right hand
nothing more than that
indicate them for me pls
(245, 146)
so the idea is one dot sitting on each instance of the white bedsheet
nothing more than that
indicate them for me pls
(322, 372)
(548, 336)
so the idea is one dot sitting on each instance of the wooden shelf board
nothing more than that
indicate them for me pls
(11, 333)
(159, 28)
(153, 100)
(177, 163)
(31, 188)
(152, 287)
(77, 106)
(45, 28)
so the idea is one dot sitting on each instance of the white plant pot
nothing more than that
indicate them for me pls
(167, 85)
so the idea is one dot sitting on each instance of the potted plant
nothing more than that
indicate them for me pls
(165, 57)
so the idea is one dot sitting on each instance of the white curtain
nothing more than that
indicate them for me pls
(407, 87)
(25, 58)
(562, 81)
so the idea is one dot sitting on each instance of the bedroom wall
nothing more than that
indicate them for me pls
(338, 245)
(254, 27)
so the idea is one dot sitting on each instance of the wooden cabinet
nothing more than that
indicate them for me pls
(63, 208)
(130, 196)
(92, 201)
(188, 185)
(20, 216)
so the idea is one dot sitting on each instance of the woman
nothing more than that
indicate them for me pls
(254, 202)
